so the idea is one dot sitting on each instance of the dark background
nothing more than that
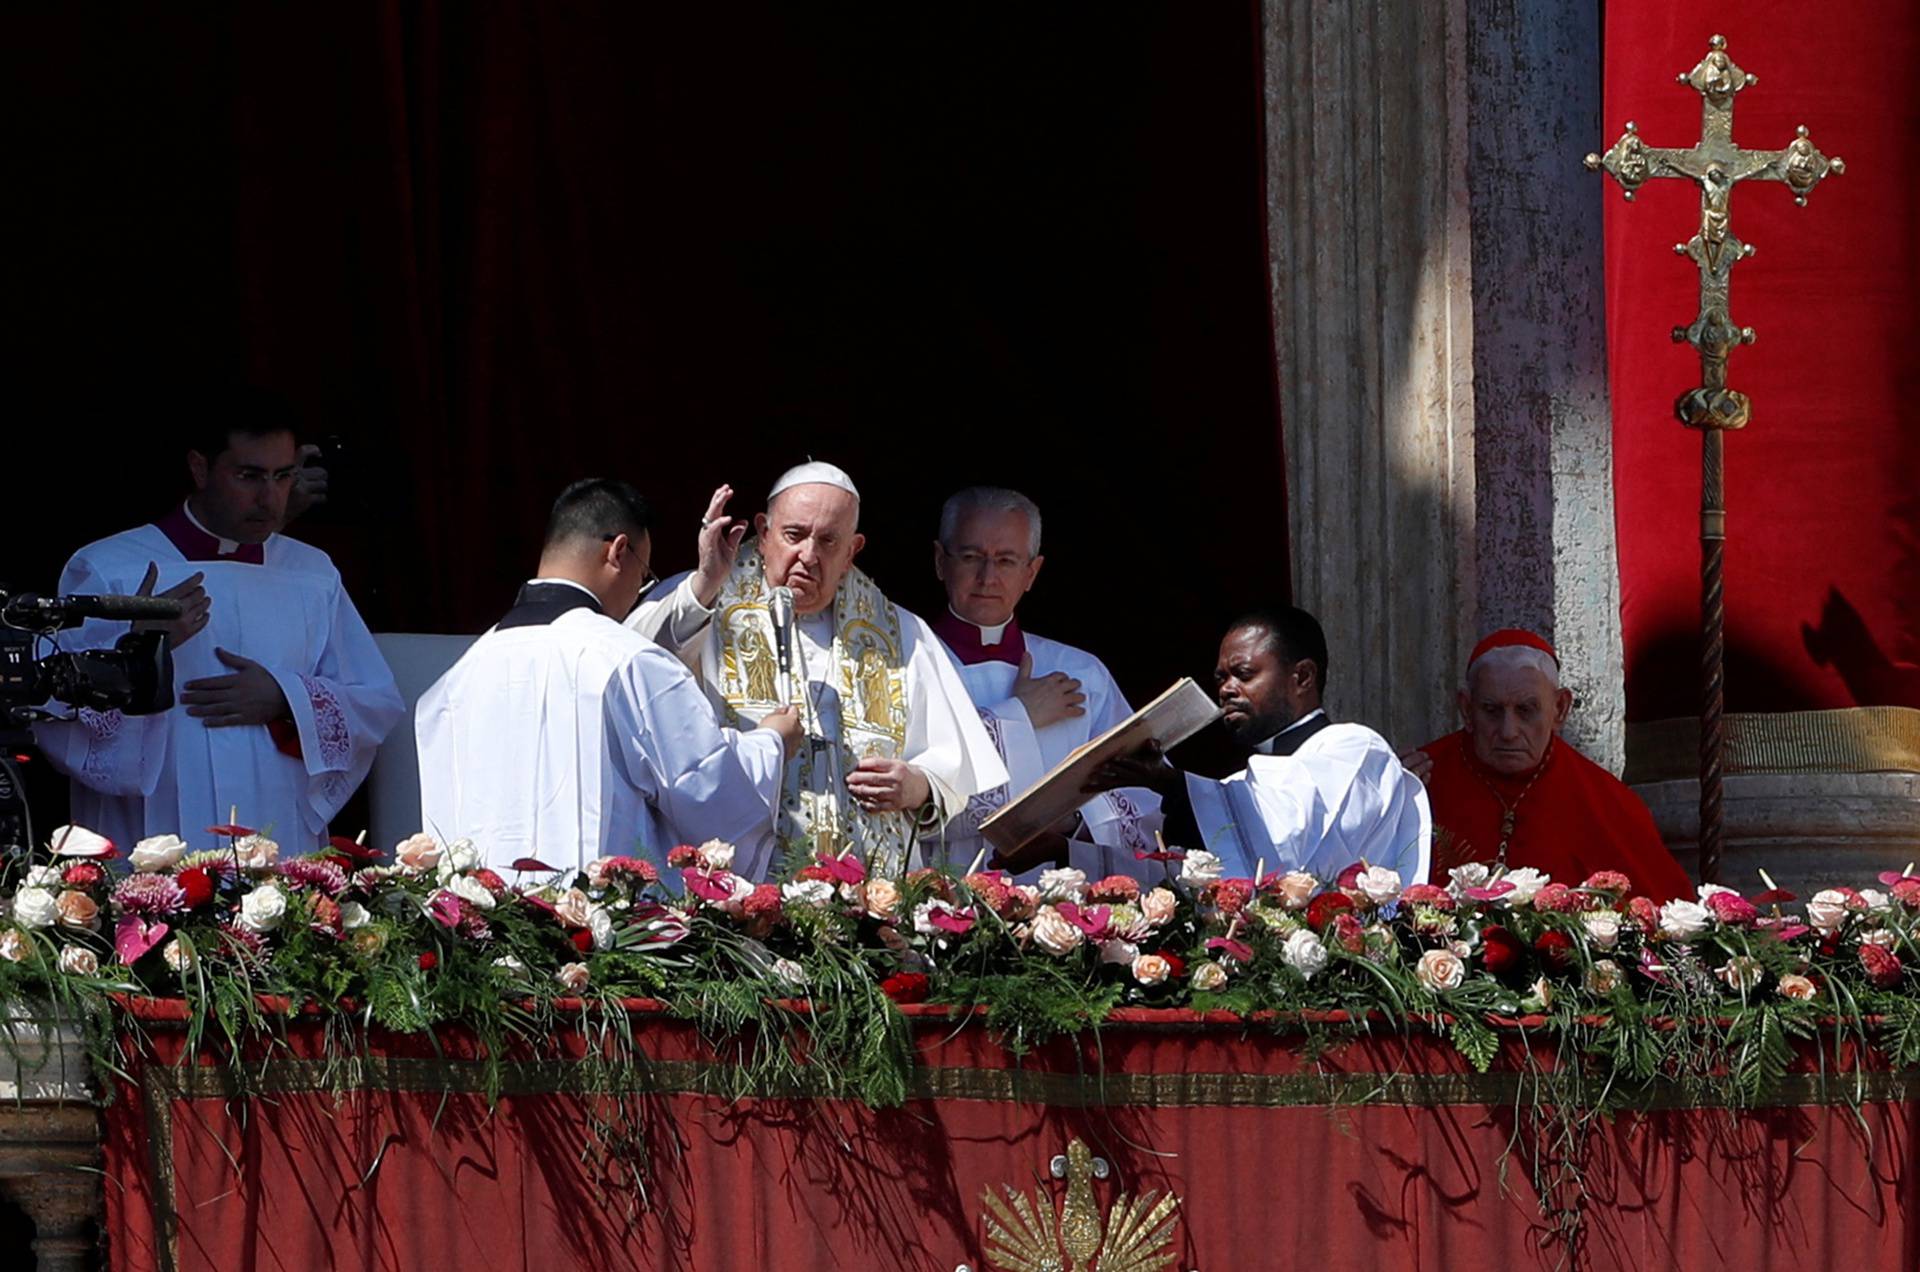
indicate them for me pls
(497, 250)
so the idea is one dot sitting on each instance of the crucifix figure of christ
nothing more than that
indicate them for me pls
(1716, 165)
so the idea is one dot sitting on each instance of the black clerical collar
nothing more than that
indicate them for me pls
(1291, 738)
(541, 601)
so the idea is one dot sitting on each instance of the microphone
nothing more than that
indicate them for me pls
(780, 609)
(52, 613)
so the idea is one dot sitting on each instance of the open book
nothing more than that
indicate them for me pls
(1170, 719)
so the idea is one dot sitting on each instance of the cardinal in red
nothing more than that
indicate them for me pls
(1507, 789)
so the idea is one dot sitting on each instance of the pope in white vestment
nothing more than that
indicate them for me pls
(569, 737)
(271, 603)
(1039, 699)
(894, 748)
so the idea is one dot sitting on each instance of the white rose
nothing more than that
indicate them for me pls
(43, 876)
(1873, 899)
(35, 908)
(177, 955)
(740, 888)
(718, 854)
(1151, 969)
(1526, 881)
(1063, 883)
(1603, 927)
(600, 923)
(1684, 920)
(807, 892)
(790, 972)
(13, 945)
(470, 889)
(1472, 875)
(1209, 977)
(460, 857)
(256, 852)
(1054, 934)
(1879, 936)
(1439, 971)
(161, 852)
(1305, 953)
(1707, 890)
(882, 898)
(262, 909)
(1378, 884)
(353, 915)
(417, 852)
(1199, 867)
(78, 960)
(1158, 906)
(574, 976)
(1828, 910)
(78, 841)
(1118, 951)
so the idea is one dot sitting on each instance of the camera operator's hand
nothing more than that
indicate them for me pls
(249, 696)
(309, 483)
(194, 607)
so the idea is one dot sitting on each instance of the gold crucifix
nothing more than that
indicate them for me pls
(1716, 164)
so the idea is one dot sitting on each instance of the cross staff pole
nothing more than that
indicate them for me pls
(1716, 165)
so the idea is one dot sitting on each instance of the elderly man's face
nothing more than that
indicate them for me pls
(1511, 713)
(987, 568)
(808, 540)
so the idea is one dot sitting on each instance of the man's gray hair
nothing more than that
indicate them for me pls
(989, 499)
(1508, 656)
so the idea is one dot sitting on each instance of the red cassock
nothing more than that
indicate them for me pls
(1570, 818)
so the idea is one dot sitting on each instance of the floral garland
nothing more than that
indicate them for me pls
(1713, 990)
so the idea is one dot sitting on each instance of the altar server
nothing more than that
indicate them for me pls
(1039, 699)
(894, 747)
(1315, 795)
(1509, 790)
(283, 696)
(563, 736)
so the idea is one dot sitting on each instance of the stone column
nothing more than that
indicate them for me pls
(1436, 283)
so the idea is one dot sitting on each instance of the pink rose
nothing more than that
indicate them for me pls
(574, 976)
(77, 909)
(1151, 969)
(418, 852)
(1797, 987)
(1158, 906)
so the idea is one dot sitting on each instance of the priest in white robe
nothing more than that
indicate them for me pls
(894, 748)
(1315, 795)
(283, 696)
(562, 735)
(1039, 699)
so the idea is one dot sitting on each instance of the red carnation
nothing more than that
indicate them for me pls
(1555, 949)
(1558, 898)
(815, 873)
(1114, 890)
(762, 903)
(1611, 881)
(1732, 909)
(1500, 950)
(82, 874)
(429, 960)
(905, 987)
(490, 881)
(1645, 914)
(1907, 893)
(1321, 909)
(1427, 894)
(326, 913)
(582, 939)
(197, 883)
(682, 856)
(1882, 964)
(1347, 931)
(1231, 896)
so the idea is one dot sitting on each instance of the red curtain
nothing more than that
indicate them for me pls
(513, 244)
(1278, 1162)
(1823, 487)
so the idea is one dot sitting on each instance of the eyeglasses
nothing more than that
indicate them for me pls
(1002, 563)
(647, 584)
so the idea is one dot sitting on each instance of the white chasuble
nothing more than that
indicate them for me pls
(870, 679)
(1116, 826)
(135, 776)
(577, 738)
(1342, 797)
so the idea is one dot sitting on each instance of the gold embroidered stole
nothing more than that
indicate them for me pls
(867, 672)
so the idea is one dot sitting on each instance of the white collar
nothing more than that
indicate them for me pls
(988, 635)
(227, 546)
(1266, 748)
(568, 582)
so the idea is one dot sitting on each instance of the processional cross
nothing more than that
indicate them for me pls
(1716, 164)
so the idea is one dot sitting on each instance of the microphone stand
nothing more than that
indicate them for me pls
(787, 642)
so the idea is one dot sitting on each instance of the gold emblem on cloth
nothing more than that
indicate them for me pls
(1023, 1233)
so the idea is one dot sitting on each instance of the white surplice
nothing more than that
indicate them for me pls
(578, 738)
(1342, 797)
(135, 776)
(1116, 826)
(944, 738)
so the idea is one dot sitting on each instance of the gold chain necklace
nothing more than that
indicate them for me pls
(1509, 813)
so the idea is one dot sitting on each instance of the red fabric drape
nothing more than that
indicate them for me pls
(514, 244)
(404, 1179)
(1823, 487)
